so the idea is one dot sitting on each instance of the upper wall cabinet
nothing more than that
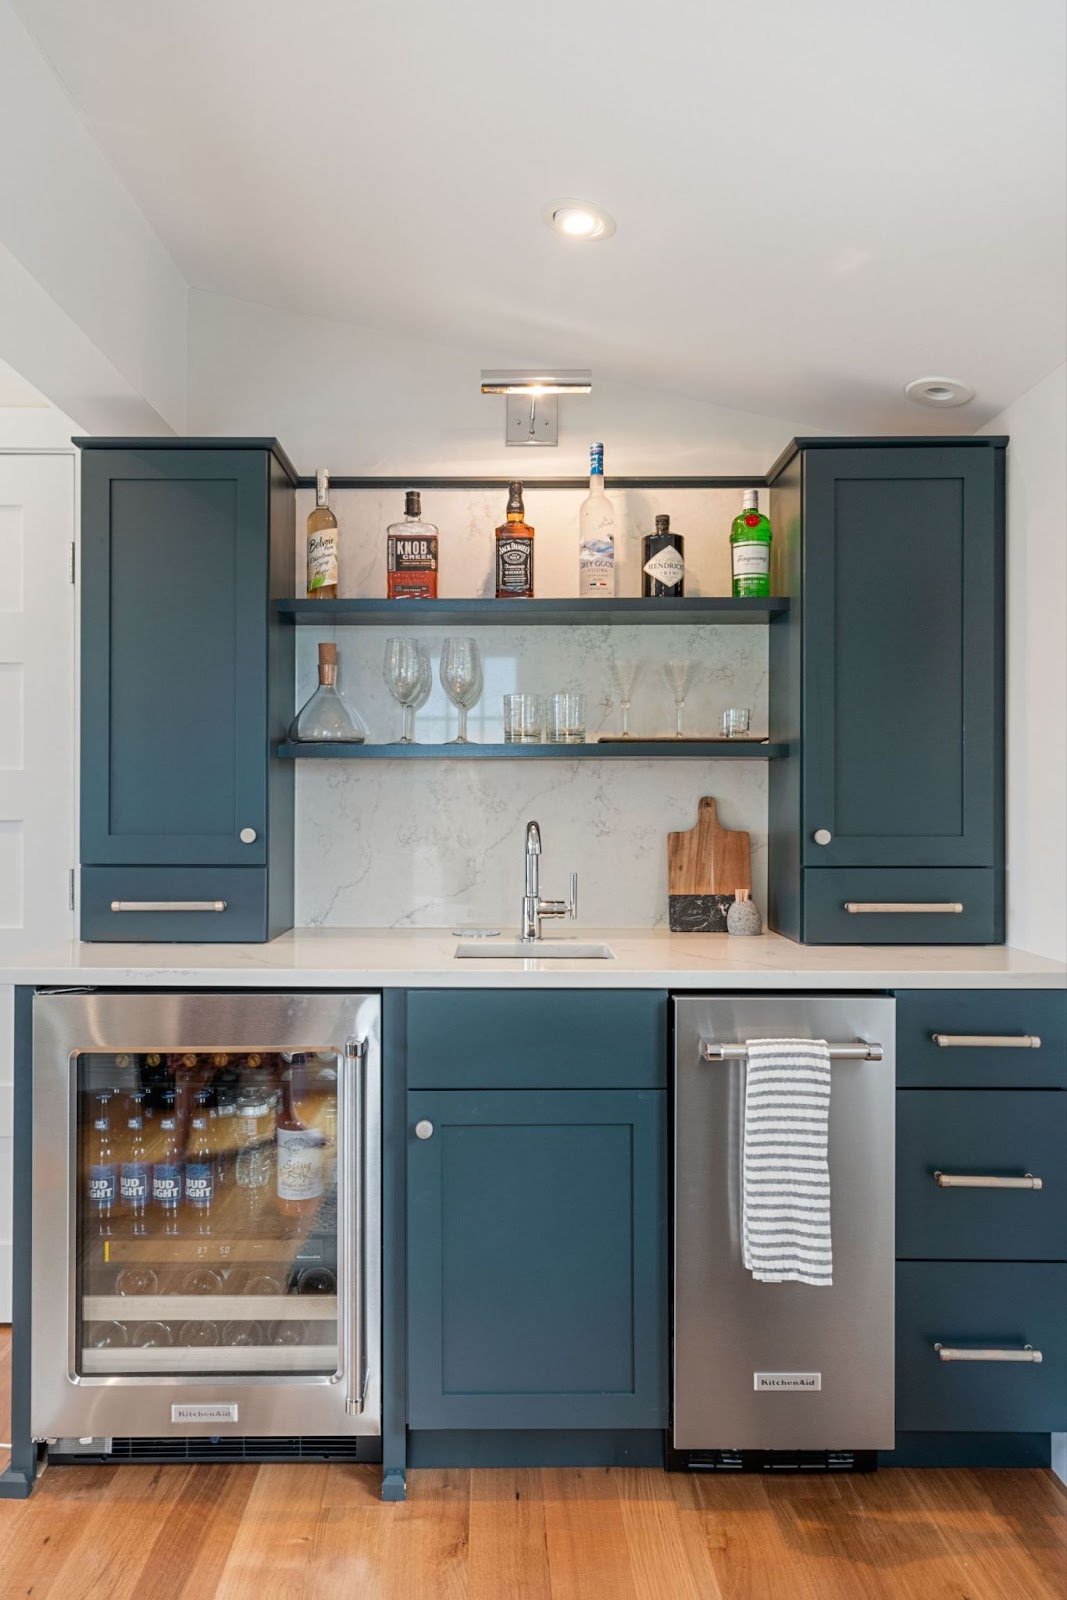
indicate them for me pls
(887, 678)
(186, 686)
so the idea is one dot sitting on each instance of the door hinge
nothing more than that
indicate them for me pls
(70, 889)
(73, 561)
(355, 1048)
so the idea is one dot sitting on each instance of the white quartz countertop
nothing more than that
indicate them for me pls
(345, 958)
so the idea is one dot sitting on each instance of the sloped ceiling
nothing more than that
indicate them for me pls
(815, 203)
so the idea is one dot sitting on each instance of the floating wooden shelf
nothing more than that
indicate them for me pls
(647, 749)
(714, 610)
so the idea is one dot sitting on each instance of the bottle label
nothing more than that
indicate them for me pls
(299, 1164)
(133, 1184)
(596, 566)
(167, 1183)
(514, 565)
(199, 1183)
(751, 560)
(322, 559)
(412, 555)
(102, 1186)
(666, 566)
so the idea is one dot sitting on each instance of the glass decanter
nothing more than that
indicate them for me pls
(326, 718)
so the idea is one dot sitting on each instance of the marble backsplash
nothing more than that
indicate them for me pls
(440, 843)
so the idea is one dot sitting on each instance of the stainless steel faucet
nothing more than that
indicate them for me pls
(533, 907)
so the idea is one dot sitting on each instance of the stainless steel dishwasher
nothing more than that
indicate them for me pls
(782, 1367)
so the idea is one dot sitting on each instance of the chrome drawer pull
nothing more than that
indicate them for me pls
(1027, 1353)
(959, 1180)
(858, 908)
(168, 905)
(859, 1051)
(987, 1041)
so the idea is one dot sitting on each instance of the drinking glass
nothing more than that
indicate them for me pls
(198, 1335)
(524, 718)
(625, 675)
(566, 719)
(461, 679)
(679, 675)
(406, 670)
(137, 1280)
(735, 722)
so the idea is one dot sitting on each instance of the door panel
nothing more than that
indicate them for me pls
(902, 657)
(174, 618)
(537, 1259)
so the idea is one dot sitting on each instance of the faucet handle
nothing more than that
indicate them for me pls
(572, 909)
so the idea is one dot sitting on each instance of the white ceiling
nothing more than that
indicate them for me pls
(815, 202)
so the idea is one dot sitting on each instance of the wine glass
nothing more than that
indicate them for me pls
(679, 675)
(406, 669)
(625, 675)
(461, 679)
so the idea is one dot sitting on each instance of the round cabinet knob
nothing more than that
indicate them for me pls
(247, 836)
(822, 836)
(424, 1129)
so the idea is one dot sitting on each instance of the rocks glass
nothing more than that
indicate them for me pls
(524, 718)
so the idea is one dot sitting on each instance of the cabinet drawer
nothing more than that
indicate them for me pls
(829, 891)
(241, 892)
(981, 1305)
(556, 1039)
(999, 1133)
(992, 1014)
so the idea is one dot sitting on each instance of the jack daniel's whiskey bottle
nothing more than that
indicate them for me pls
(411, 554)
(515, 552)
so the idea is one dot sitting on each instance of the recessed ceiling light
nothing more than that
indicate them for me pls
(939, 392)
(578, 219)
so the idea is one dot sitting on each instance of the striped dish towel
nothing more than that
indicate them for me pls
(785, 1179)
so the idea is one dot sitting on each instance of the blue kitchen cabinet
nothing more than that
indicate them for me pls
(537, 1259)
(886, 818)
(187, 683)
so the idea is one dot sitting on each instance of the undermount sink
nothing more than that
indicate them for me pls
(540, 950)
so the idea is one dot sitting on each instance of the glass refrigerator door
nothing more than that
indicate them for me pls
(206, 1213)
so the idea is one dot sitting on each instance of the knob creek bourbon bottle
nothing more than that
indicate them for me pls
(411, 554)
(515, 552)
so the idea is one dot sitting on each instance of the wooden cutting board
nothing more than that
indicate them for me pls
(705, 865)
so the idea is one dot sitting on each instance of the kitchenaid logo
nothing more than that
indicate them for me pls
(809, 1381)
(204, 1413)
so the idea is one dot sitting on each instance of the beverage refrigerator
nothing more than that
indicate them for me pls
(206, 1223)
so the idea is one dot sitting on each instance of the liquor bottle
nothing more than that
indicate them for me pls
(596, 534)
(200, 1167)
(750, 550)
(300, 1158)
(411, 554)
(103, 1167)
(134, 1173)
(663, 562)
(327, 717)
(515, 552)
(167, 1173)
(322, 543)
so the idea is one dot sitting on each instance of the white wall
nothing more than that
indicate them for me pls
(92, 308)
(1037, 666)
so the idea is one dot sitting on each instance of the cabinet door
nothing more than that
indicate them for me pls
(903, 660)
(537, 1293)
(174, 657)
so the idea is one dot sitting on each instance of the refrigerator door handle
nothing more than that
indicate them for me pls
(352, 1221)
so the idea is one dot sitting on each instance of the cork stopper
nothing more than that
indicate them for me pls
(742, 895)
(327, 663)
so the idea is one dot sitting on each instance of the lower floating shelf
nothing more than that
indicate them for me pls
(611, 750)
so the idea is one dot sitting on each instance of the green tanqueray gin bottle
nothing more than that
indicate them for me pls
(750, 550)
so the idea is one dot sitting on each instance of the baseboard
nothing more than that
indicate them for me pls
(535, 1447)
(968, 1450)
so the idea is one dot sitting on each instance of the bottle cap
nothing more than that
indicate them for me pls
(663, 523)
(327, 655)
(596, 460)
(751, 500)
(412, 503)
(322, 485)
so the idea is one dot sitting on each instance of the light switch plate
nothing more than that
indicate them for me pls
(545, 419)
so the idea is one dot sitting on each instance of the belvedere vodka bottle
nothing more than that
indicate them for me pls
(750, 550)
(596, 534)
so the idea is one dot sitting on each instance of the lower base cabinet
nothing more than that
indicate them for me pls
(537, 1259)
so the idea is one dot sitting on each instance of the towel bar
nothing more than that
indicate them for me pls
(859, 1051)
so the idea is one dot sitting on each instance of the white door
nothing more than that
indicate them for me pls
(37, 786)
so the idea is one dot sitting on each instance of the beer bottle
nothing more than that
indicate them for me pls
(103, 1168)
(167, 1173)
(133, 1173)
(300, 1157)
(200, 1166)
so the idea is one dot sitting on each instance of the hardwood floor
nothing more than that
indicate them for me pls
(316, 1532)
